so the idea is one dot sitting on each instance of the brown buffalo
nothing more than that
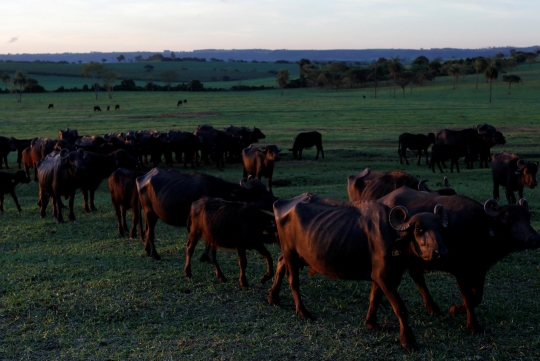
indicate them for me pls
(513, 173)
(362, 241)
(124, 196)
(8, 182)
(419, 142)
(259, 162)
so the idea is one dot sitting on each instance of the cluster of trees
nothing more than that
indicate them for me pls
(20, 83)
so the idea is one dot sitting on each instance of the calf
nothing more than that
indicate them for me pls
(259, 162)
(179, 103)
(306, 141)
(235, 225)
(97, 109)
(6, 146)
(513, 173)
(8, 181)
(419, 142)
(117, 107)
(50, 106)
(124, 196)
(440, 153)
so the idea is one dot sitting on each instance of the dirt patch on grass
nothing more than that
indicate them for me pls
(177, 115)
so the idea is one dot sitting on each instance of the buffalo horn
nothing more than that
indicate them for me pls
(491, 207)
(64, 153)
(245, 184)
(156, 135)
(422, 186)
(520, 163)
(397, 221)
(481, 129)
(439, 210)
(523, 202)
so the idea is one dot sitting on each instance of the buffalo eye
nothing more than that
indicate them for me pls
(418, 229)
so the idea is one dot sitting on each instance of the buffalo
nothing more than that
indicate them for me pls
(39, 149)
(168, 195)
(479, 236)
(124, 196)
(179, 103)
(20, 145)
(8, 182)
(419, 142)
(305, 141)
(513, 173)
(97, 109)
(361, 241)
(228, 224)
(259, 162)
(117, 107)
(71, 135)
(6, 146)
(51, 106)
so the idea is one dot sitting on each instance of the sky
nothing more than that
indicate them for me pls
(79, 26)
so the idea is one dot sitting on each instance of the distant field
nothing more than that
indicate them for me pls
(51, 76)
(78, 291)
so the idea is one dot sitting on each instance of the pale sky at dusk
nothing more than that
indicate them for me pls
(57, 26)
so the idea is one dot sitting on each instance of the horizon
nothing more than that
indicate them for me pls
(60, 27)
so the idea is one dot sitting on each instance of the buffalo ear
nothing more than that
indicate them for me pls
(491, 207)
(523, 202)
(398, 246)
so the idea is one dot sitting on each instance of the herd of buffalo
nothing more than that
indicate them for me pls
(392, 223)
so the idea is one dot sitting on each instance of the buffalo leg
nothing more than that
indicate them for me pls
(269, 264)
(213, 260)
(510, 197)
(190, 247)
(1, 203)
(242, 262)
(71, 204)
(118, 214)
(294, 284)
(149, 246)
(417, 275)
(427, 156)
(43, 201)
(85, 198)
(273, 296)
(14, 196)
(123, 212)
(471, 292)
(92, 205)
(136, 219)
(375, 298)
(35, 173)
(322, 152)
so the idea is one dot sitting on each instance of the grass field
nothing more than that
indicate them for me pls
(78, 291)
(52, 75)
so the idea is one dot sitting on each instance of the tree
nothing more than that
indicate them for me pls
(109, 78)
(195, 85)
(282, 79)
(6, 79)
(121, 58)
(103, 60)
(480, 65)
(453, 71)
(394, 67)
(138, 58)
(149, 80)
(32, 86)
(302, 64)
(148, 67)
(404, 79)
(19, 80)
(168, 76)
(93, 70)
(491, 73)
(173, 55)
(435, 67)
(511, 79)
(531, 58)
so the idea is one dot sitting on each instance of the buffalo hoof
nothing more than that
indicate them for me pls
(302, 312)
(244, 283)
(224, 279)
(133, 235)
(475, 329)
(156, 257)
(187, 274)
(458, 310)
(265, 278)
(273, 300)
(409, 346)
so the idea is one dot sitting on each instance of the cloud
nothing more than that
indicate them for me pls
(13, 39)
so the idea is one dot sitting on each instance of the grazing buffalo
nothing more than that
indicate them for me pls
(227, 224)
(513, 173)
(179, 103)
(440, 153)
(371, 185)
(306, 141)
(168, 195)
(259, 162)
(8, 182)
(51, 106)
(97, 109)
(6, 145)
(124, 196)
(117, 107)
(361, 241)
(59, 174)
(479, 236)
(419, 142)
(185, 101)
(27, 161)
(99, 167)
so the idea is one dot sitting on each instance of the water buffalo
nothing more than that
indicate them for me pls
(259, 162)
(168, 195)
(513, 173)
(51, 106)
(117, 107)
(39, 149)
(362, 241)
(6, 146)
(97, 109)
(20, 145)
(479, 236)
(8, 182)
(228, 224)
(419, 142)
(71, 135)
(306, 141)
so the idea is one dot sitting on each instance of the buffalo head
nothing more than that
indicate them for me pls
(528, 173)
(73, 161)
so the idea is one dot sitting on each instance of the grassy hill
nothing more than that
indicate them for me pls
(78, 291)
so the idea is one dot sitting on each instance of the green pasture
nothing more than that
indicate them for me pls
(77, 291)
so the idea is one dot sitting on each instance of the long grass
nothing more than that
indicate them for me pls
(78, 291)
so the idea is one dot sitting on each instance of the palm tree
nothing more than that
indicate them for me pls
(394, 67)
(302, 64)
(282, 79)
(480, 64)
(511, 79)
(491, 73)
(453, 71)
(19, 80)
(6, 79)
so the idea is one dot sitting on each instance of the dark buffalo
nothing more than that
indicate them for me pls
(94, 143)
(71, 135)
(108, 107)
(306, 141)
(39, 149)
(488, 141)
(150, 143)
(8, 182)
(419, 142)
(216, 143)
(249, 136)
(181, 143)
(168, 195)
(363, 241)
(20, 144)
(441, 153)
(371, 185)
(513, 173)
(117, 107)
(124, 196)
(6, 146)
(99, 167)
(479, 236)
(235, 225)
(259, 162)
(179, 103)
(60, 174)
(51, 106)
(97, 109)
